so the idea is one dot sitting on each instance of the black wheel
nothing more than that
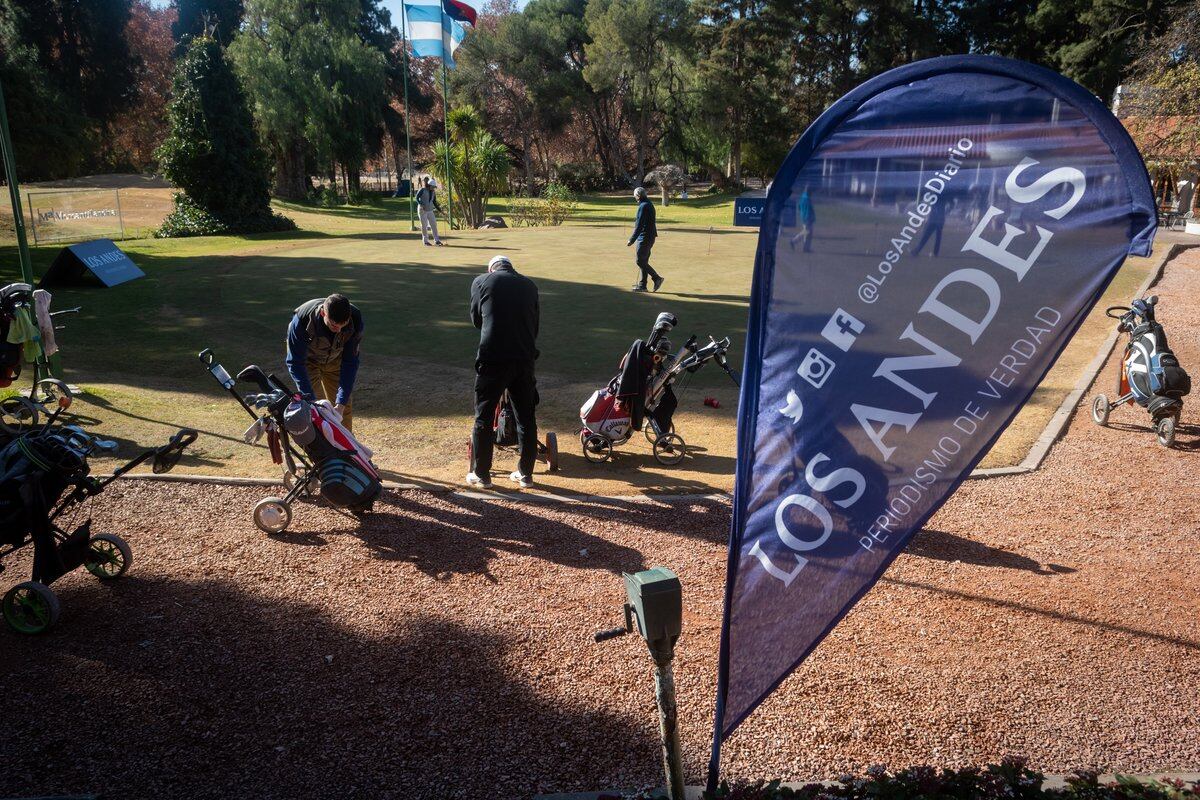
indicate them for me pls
(272, 515)
(552, 451)
(597, 449)
(108, 556)
(651, 436)
(1165, 429)
(669, 449)
(1100, 410)
(18, 415)
(31, 608)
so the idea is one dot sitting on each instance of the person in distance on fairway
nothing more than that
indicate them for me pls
(645, 231)
(427, 209)
(323, 344)
(504, 306)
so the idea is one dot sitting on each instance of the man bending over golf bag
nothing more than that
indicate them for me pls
(323, 344)
(504, 306)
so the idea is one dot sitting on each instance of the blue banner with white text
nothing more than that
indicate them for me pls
(927, 250)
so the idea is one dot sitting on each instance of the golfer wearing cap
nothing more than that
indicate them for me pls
(427, 210)
(504, 306)
(645, 231)
(323, 343)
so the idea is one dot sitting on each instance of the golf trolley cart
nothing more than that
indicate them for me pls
(318, 455)
(641, 397)
(44, 474)
(504, 428)
(1150, 374)
(19, 412)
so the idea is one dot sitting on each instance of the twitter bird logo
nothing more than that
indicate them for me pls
(794, 408)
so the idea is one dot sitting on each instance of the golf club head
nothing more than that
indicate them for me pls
(105, 445)
(254, 374)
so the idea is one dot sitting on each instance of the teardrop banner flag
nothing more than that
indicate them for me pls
(928, 248)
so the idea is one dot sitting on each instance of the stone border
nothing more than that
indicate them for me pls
(1032, 461)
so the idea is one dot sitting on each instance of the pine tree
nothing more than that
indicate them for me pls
(213, 154)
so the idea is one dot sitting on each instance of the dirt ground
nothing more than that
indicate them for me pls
(442, 649)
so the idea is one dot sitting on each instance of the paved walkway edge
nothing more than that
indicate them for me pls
(1032, 461)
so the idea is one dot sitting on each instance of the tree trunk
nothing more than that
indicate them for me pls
(289, 172)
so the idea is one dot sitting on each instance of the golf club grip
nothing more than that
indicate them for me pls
(604, 636)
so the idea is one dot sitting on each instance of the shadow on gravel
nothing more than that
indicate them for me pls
(1190, 644)
(200, 689)
(466, 537)
(942, 546)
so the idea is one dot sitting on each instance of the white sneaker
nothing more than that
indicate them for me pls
(523, 481)
(475, 480)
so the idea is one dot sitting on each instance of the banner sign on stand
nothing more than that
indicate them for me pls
(927, 250)
(100, 262)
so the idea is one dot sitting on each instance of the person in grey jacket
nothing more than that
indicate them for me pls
(428, 209)
(645, 231)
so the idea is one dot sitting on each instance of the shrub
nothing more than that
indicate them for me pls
(1011, 779)
(213, 153)
(189, 219)
(585, 176)
(555, 206)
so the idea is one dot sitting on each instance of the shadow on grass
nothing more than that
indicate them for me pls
(211, 689)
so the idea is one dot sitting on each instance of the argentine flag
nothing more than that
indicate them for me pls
(431, 32)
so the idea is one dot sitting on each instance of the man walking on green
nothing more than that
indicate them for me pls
(428, 209)
(323, 344)
(645, 231)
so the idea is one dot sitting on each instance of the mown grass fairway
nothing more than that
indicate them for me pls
(134, 347)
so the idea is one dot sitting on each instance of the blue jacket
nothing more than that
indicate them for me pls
(309, 341)
(644, 227)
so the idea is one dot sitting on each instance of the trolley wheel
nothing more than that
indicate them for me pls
(1165, 429)
(669, 449)
(1100, 410)
(597, 449)
(18, 415)
(552, 451)
(109, 556)
(272, 515)
(291, 480)
(648, 430)
(31, 608)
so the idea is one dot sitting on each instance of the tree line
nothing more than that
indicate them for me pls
(598, 92)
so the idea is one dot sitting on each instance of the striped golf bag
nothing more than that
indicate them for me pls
(347, 477)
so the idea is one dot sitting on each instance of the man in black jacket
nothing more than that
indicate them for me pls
(645, 231)
(504, 306)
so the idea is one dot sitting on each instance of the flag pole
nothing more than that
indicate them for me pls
(446, 126)
(407, 132)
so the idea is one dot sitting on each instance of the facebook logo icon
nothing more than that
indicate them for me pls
(842, 329)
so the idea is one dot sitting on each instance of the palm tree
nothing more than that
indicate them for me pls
(479, 163)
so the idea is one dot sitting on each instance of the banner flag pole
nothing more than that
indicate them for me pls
(446, 126)
(407, 130)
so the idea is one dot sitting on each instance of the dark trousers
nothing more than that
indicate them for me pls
(491, 380)
(643, 262)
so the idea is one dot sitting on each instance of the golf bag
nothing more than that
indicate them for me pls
(43, 473)
(13, 298)
(641, 395)
(307, 438)
(1150, 374)
(344, 470)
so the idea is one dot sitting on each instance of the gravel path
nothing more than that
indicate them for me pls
(443, 649)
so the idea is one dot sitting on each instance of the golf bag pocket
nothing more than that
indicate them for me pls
(1167, 378)
(10, 363)
(299, 423)
(346, 484)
